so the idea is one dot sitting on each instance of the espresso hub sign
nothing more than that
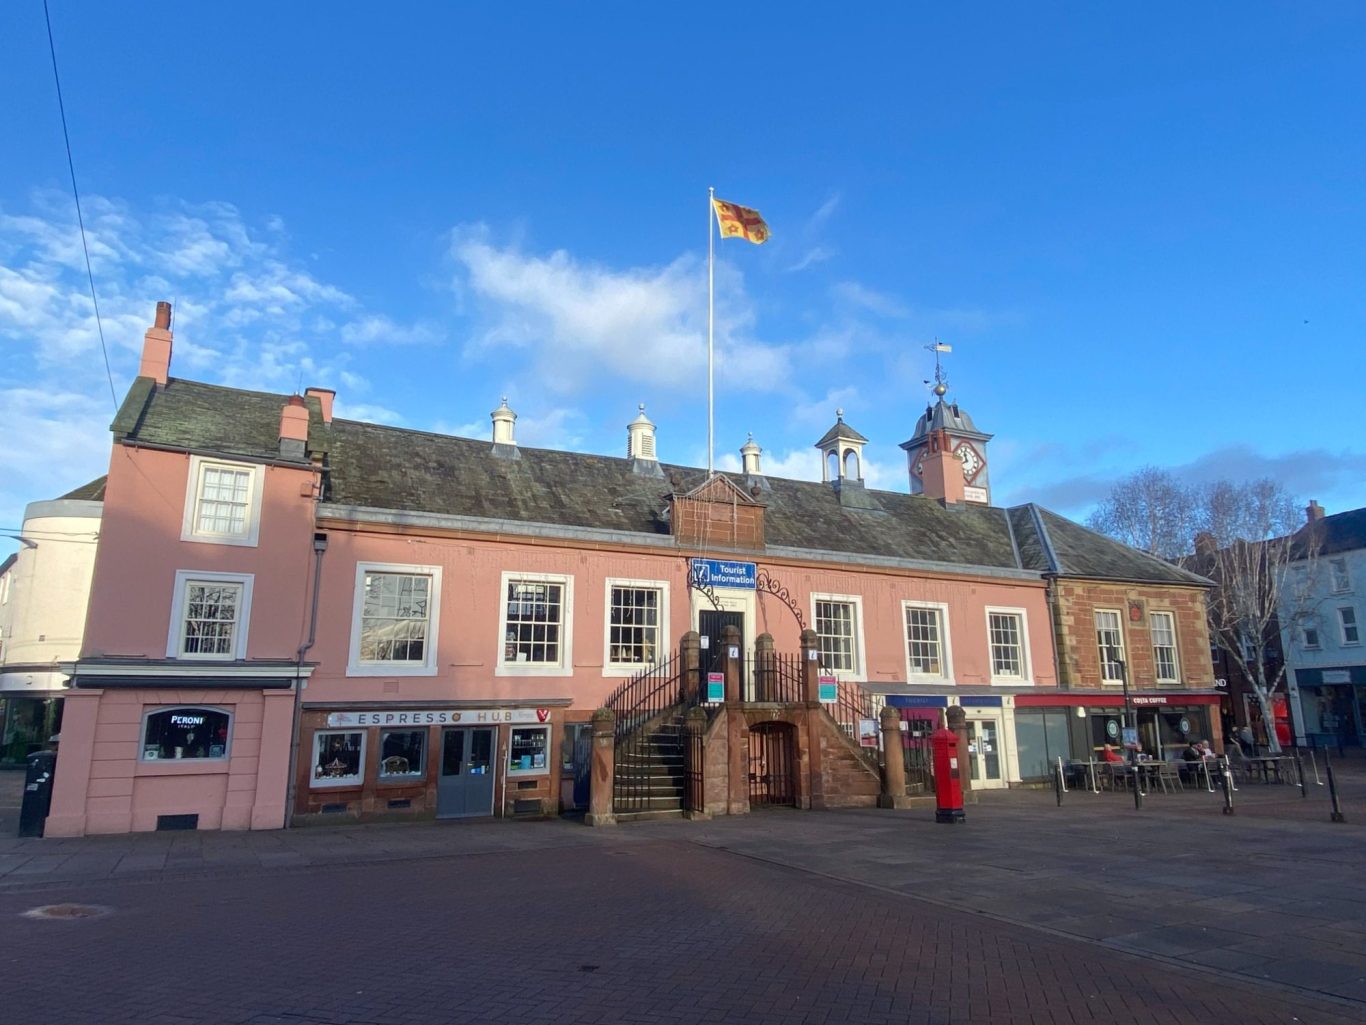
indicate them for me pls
(439, 717)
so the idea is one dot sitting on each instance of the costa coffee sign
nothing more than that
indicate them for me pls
(439, 717)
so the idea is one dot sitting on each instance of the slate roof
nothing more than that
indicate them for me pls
(1052, 544)
(841, 431)
(92, 492)
(389, 468)
(1341, 532)
(948, 416)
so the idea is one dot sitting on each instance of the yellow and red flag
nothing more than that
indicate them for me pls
(738, 221)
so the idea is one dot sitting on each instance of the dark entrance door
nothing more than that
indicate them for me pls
(579, 741)
(465, 786)
(772, 765)
(709, 625)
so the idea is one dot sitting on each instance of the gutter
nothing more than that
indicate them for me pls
(291, 781)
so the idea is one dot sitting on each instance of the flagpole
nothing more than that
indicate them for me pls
(711, 317)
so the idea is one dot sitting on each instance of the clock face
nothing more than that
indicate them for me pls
(972, 461)
(918, 468)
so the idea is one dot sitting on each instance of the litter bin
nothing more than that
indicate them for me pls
(42, 766)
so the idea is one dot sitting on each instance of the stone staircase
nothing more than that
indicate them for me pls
(650, 774)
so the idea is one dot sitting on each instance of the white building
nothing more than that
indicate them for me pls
(1325, 658)
(44, 590)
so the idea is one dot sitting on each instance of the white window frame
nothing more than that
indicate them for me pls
(946, 648)
(1100, 652)
(1026, 676)
(175, 637)
(1341, 582)
(565, 667)
(1176, 647)
(532, 770)
(859, 653)
(342, 781)
(195, 483)
(428, 665)
(1343, 625)
(147, 714)
(609, 667)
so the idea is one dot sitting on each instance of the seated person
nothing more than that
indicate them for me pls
(1206, 752)
(1109, 754)
(1192, 752)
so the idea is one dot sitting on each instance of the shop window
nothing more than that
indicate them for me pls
(179, 733)
(338, 758)
(402, 754)
(529, 750)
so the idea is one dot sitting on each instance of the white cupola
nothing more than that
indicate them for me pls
(842, 453)
(640, 445)
(504, 438)
(749, 456)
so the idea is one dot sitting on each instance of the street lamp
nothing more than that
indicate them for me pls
(1130, 721)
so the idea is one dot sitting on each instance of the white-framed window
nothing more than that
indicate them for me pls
(338, 758)
(1341, 580)
(1008, 644)
(394, 620)
(1110, 642)
(535, 634)
(529, 751)
(209, 616)
(1309, 634)
(172, 734)
(838, 622)
(635, 628)
(1163, 626)
(928, 658)
(1347, 620)
(222, 502)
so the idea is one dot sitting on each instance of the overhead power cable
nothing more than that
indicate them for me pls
(80, 218)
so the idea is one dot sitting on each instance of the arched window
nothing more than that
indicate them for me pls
(851, 465)
(832, 466)
(185, 732)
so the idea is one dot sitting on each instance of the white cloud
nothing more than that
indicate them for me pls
(869, 299)
(579, 321)
(247, 314)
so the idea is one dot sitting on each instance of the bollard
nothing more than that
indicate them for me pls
(1299, 770)
(1059, 784)
(1138, 786)
(1337, 815)
(1227, 773)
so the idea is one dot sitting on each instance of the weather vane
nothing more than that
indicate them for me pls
(941, 379)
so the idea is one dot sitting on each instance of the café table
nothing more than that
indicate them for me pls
(1266, 765)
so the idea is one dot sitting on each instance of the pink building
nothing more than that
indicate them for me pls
(298, 617)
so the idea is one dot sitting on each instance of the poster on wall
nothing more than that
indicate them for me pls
(827, 690)
(867, 733)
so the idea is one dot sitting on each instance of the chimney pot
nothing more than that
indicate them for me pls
(163, 320)
(156, 347)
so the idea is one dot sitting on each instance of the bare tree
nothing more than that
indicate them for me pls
(1253, 533)
(1149, 510)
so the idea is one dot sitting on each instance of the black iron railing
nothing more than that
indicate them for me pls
(917, 754)
(694, 796)
(778, 679)
(645, 695)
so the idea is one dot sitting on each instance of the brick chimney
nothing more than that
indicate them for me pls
(156, 347)
(1313, 512)
(294, 428)
(325, 397)
(942, 471)
(1205, 543)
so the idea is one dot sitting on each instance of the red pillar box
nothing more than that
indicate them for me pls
(948, 789)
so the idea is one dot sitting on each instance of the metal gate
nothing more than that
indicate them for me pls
(772, 765)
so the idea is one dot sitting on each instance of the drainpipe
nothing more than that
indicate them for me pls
(319, 546)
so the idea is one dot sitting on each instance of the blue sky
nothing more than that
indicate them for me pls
(1141, 227)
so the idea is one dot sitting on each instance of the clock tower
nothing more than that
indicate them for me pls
(945, 435)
